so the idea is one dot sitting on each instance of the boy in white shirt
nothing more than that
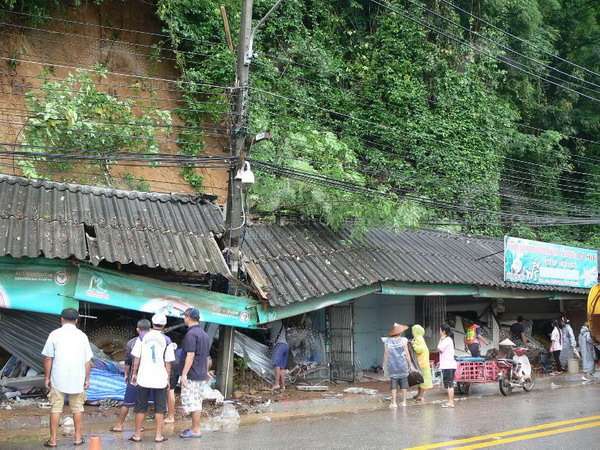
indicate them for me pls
(151, 372)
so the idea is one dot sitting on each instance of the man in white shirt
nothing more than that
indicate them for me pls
(151, 372)
(67, 367)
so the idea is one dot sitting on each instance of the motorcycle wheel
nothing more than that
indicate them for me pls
(505, 386)
(463, 388)
(529, 384)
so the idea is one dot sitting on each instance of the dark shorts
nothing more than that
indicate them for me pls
(475, 350)
(173, 381)
(448, 377)
(131, 395)
(280, 355)
(401, 382)
(143, 396)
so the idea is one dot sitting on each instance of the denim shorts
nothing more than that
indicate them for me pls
(280, 355)
(401, 382)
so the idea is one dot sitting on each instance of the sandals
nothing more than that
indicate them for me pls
(448, 405)
(81, 442)
(164, 438)
(48, 444)
(115, 431)
(133, 439)
(187, 434)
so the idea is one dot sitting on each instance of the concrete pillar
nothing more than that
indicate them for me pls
(225, 363)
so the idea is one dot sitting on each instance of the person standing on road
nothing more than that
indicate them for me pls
(588, 355)
(422, 351)
(396, 361)
(151, 371)
(569, 342)
(194, 372)
(447, 362)
(67, 366)
(277, 338)
(472, 339)
(159, 322)
(556, 345)
(517, 331)
(143, 326)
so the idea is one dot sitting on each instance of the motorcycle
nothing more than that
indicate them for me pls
(515, 372)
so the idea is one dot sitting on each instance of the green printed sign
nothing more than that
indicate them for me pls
(542, 263)
(152, 296)
(40, 285)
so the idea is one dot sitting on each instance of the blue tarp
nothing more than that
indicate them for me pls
(105, 384)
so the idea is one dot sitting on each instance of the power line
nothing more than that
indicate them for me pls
(520, 39)
(505, 47)
(106, 27)
(110, 41)
(127, 75)
(507, 61)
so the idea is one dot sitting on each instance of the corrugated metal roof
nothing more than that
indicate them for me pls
(60, 220)
(298, 262)
(24, 333)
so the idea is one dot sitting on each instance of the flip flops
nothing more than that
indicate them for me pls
(187, 434)
(81, 442)
(447, 405)
(133, 439)
(48, 444)
(164, 438)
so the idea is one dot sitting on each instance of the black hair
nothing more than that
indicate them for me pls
(69, 314)
(143, 324)
(555, 323)
(520, 319)
(446, 329)
(193, 314)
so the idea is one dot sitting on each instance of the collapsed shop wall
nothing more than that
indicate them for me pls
(374, 315)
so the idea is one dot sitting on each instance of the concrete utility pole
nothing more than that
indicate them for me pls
(234, 221)
(236, 216)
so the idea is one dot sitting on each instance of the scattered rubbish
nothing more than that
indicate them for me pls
(67, 422)
(266, 419)
(554, 386)
(228, 419)
(213, 394)
(312, 388)
(355, 390)
(331, 395)
(44, 405)
(8, 407)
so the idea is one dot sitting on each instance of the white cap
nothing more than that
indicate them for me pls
(159, 319)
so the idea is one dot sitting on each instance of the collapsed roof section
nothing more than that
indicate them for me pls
(95, 224)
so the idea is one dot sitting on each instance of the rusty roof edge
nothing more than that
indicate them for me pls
(109, 192)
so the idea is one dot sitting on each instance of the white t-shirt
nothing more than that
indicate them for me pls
(153, 352)
(556, 339)
(70, 349)
(446, 348)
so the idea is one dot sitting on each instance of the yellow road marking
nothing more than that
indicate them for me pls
(504, 433)
(532, 436)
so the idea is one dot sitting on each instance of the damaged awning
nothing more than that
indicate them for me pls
(123, 290)
(48, 286)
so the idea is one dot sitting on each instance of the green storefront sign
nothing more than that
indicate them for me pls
(536, 262)
(39, 285)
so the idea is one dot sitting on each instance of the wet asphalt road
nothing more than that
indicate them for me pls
(407, 427)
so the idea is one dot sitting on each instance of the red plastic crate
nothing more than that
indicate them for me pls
(469, 371)
(476, 371)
